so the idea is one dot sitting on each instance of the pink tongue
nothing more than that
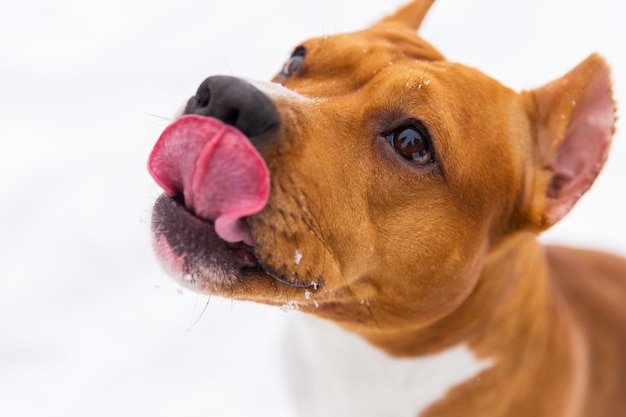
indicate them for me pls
(217, 170)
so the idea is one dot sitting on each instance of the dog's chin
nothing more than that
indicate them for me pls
(192, 252)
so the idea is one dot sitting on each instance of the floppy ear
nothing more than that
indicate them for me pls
(574, 118)
(412, 14)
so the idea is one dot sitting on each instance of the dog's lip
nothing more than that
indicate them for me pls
(184, 231)
(188, 246)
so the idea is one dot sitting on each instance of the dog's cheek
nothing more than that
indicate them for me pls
(428, 259)
(292, 243)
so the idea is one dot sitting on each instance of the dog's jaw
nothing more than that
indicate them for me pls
(191, 250)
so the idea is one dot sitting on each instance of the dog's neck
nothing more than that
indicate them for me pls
(511, 342)
(516, 317)
(515, 278)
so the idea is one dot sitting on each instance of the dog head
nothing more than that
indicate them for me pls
(369, 181)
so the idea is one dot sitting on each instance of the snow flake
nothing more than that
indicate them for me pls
(291, 305)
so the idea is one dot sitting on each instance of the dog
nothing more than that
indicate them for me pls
(398, 197)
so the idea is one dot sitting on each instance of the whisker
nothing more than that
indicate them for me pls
(201, 314)
(156, 116)
(163, 120)
(310, 285)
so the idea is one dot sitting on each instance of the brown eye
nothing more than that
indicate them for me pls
(293, 65)
(412, 143)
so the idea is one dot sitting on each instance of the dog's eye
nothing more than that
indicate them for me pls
(412, 143)
(294, 64)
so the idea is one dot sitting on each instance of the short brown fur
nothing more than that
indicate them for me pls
(419, 259)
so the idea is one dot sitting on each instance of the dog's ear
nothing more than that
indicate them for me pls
(412, 14)
(574, 118)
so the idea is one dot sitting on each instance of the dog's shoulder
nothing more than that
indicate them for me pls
(595, 285)
(591, 275)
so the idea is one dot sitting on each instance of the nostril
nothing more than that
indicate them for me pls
(203, 97)
(236, 103)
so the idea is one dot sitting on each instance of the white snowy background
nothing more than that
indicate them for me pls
(89, 325)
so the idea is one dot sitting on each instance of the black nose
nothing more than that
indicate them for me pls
(235, 102)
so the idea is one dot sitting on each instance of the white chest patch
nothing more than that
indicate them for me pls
(335, 373)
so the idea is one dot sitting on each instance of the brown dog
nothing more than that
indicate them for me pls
(378, 186)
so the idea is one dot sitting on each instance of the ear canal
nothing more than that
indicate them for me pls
(575, 119)
(411, 15)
